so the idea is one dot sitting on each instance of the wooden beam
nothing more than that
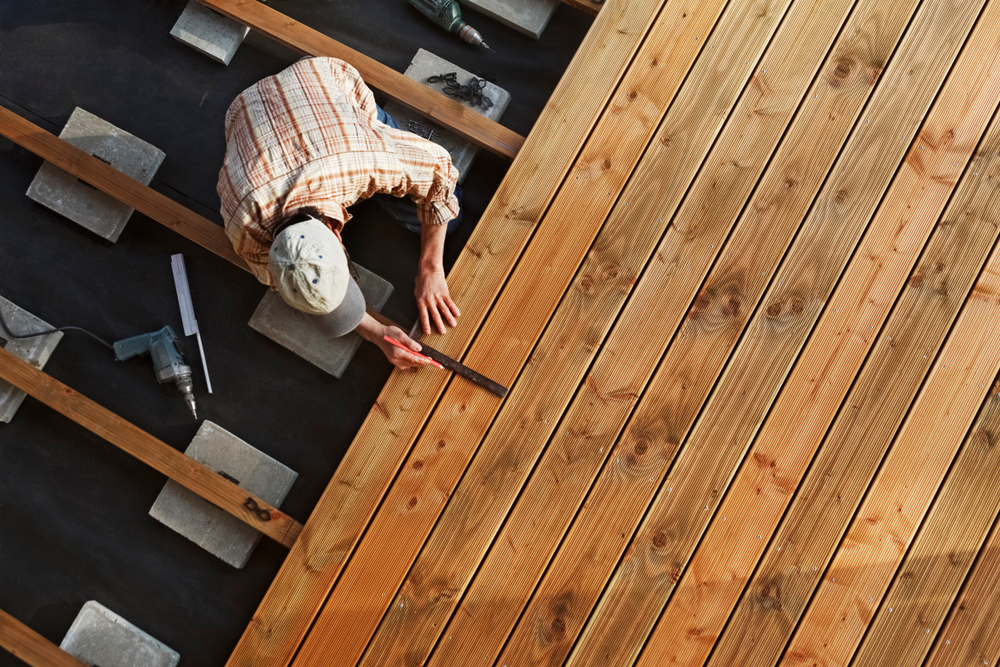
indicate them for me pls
(460, 119)
(29, 646)
(109, 180)
(588, 6)
(174, 464)
(384, 440)
(850, 327)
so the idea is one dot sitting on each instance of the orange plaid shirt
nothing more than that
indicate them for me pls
(310, 136)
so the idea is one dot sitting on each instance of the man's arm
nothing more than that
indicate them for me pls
(374, 331)
(433, 299)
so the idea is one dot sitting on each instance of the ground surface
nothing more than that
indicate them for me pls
(73, 509)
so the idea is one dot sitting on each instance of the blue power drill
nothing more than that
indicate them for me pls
(167, 361)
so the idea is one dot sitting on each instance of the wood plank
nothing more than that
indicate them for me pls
(971, 637)
(29, 646)
(591, 7)
(783, 583)
(563, 602)
(885, 524)
(479, 506)
(838, 347)
(402, 408)
(674, 525)
(109, 180)
(412, 94)
(929, 579)
(151, 451)
(519, 317)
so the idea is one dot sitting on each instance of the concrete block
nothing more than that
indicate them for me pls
(424, 65)
(81, 202)
(36, 351)
(527, 16)
(207, 31)
(290, 328)
(99, 636)
(202, 522)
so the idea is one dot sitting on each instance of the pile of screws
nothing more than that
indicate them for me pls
(471, 92)
(420, 129)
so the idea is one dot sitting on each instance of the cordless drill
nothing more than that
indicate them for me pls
(167, 361)
(448, 15)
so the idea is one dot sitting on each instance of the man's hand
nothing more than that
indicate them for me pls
(374, 331)
(436, 308)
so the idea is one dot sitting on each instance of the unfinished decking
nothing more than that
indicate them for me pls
(742, 280)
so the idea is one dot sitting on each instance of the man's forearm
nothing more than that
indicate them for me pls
(432, 247)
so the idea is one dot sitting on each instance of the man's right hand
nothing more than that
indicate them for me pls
(375, 331)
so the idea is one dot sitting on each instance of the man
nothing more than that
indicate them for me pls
(301, 147)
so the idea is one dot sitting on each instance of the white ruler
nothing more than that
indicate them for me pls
(187, 308)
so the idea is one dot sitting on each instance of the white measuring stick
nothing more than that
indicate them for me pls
(187, 309)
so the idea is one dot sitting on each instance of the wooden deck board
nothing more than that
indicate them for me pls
(496, 548)
(31, 647)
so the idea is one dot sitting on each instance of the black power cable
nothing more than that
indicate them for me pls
(3, 324)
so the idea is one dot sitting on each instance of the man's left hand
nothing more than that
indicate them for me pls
(434, 302)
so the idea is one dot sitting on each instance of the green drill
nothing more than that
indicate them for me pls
(447, 14)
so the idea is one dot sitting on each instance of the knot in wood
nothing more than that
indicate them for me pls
(732, 307)
(611, 272)
(654, 62)
(943, 288)
(798, 305)
(981, 439)
(917, 279)
(417, 465)
(660, 540)
(606, 164)
(586, 285)
(938, 267)
(702, 303)
(632, 95)
(843, 70)
(841, 196)
(666, 139)
(440, 445)
(770, 597)
(641, 446)
(774, 309)
(558, 627)
(412, 504)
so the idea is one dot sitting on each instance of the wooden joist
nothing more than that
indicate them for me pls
(401, 410)
(588, 6)
(151, 451)
(838, 347)
(456, 117)
(109, 180)
(30, 647)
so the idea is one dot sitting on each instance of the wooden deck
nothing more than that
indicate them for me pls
(743, 282)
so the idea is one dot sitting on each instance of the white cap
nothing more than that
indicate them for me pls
(309, 267)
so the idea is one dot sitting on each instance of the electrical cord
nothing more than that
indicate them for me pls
(3, 324)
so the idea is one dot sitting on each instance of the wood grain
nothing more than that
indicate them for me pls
(885, 524)
(588, 6)
(838, 347)
(402, 408)
(156, 453)
(971, 636)
(478, 507)
(458, 118)
(929, 578)
(32, 648)
(519, 317)
(781, 587)
(125, 189)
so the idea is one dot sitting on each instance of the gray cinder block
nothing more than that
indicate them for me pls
(81, 202)
(203, 523)
(99, 636)
(207, 31)
(290, 328)
(424, 65)
(36, 351)
(527, 16)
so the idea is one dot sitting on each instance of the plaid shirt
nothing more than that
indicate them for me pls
(310, 136)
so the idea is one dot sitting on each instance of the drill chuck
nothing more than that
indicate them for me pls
(167, 360)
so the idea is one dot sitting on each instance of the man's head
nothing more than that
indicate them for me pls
(310, 270)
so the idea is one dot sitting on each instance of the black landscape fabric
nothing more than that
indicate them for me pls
(74, 522)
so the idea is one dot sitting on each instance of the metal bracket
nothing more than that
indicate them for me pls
(232, 479)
